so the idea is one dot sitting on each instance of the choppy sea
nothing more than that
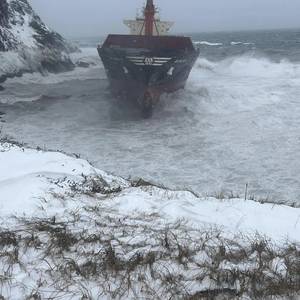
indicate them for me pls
(236, 123)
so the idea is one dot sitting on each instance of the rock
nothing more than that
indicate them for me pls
(27, 44)
(1, 115)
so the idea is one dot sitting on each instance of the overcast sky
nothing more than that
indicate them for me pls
(99, 17)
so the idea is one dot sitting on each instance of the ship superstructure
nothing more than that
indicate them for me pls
(138, 26)
(148, 62)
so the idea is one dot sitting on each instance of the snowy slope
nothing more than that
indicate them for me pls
(70, 231)
(28, 175)
(27, 44)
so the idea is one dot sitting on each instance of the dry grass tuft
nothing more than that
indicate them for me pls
(99, 255)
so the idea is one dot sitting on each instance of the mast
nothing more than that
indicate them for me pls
(149, 17)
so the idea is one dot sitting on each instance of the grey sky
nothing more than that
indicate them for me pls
(99, 17)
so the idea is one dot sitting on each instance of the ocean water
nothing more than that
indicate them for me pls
(237, 122)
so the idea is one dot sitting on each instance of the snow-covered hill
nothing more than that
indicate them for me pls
(71, 231)
(27, 44)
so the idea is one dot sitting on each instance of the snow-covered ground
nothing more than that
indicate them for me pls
(28, 176)
(71, 231)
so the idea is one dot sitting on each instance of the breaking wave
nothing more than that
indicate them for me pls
(12, 99)
(250, 66)
(92, 72)
(242, 83)
(207, 43)
(88, 56)
(241, 43)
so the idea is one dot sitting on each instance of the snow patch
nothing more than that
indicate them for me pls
(24, 33)
(278, 222)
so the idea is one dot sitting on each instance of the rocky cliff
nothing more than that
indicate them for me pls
(27, 44)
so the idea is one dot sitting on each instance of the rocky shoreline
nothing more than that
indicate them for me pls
(27, 45)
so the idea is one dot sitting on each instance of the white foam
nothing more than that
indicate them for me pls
(9, 96)
(11, 62)
(88, 55)
(12, 99)
(207, 43)
(259, 67)
(247, 66)
(240, 83)
(240, 43)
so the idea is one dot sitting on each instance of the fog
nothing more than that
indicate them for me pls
(99, 17)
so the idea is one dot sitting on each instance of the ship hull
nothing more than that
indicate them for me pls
(142, 68)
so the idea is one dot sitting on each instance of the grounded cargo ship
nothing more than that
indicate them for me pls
(148, 62)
